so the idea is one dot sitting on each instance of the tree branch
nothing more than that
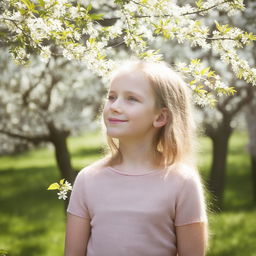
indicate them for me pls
(246, 100)
(27, 93)
(34, 140)
(48, 93)
(205, 10)
(221, 106)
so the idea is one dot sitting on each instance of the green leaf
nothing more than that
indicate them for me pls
(42, 3)
(218, 26)
(205, 70)
(23, 12)
(91, 40)
(199, 3)
(29, 4)
(211, 74)
(192, 82)
(96, 16)
(54, 186)
(89, 7)
(195, 61)
(222, 28)
(35, 11)
(240, 73)
(250, 36)
(201, 91)
(231, 90)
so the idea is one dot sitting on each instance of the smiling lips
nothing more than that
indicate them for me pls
(116, 121)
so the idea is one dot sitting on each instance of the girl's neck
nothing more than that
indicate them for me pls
(136, 157)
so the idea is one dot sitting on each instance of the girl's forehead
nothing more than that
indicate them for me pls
(132, 80)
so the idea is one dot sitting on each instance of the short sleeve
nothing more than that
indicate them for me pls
(190, 205)
(77, 203)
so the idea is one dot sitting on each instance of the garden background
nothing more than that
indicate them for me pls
(55, 57)
(32, 219)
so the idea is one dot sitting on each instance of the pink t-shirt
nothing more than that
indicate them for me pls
(136, 214)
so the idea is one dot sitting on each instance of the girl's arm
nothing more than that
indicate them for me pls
(192, 239)
(77, 235)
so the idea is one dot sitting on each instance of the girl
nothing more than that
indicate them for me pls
(146, 198)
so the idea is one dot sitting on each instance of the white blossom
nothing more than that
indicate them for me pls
(45, 53)
(62, 195)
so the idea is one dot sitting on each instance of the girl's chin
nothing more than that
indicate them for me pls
(116, 135)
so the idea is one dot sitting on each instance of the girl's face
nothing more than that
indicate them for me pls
(130, 108)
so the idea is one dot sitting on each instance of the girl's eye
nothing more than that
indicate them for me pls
(110, 97)
(131, 98)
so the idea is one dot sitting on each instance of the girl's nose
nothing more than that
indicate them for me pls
(116, 106)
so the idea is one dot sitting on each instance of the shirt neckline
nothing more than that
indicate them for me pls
(148, 172)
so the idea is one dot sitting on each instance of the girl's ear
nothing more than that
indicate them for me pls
(161, 119)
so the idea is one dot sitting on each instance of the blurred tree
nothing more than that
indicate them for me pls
(251, 125)
(45, 103)
(251, 110)
(218, 123)
(218, 126)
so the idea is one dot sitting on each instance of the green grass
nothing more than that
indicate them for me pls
(232, 231)
(32, 219)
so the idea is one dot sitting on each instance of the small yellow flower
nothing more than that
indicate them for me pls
(63, 187)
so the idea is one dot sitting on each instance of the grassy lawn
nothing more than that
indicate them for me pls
(32, 219)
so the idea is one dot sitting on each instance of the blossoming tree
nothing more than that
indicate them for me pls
(218, 123)
(88, 32)
(46, 103)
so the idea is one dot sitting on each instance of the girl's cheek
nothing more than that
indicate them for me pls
(104, 112)
(106, 106)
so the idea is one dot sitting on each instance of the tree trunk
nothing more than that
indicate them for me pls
(62, 156)
(250, 117)
(219, 163)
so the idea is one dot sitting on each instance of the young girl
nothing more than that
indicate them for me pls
(146, 199)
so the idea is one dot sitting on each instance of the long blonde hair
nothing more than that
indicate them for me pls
(174, 142)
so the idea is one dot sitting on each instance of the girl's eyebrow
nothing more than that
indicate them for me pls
(129, 92)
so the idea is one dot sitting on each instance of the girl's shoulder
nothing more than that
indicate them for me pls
(95, 167)
(182, 172)
(185, 179)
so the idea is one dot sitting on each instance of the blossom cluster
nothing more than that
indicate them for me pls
(89, 32)
(63, 187)
(61, 93)
(205, 83)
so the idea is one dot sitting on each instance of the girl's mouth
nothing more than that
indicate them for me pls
(115, 120)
